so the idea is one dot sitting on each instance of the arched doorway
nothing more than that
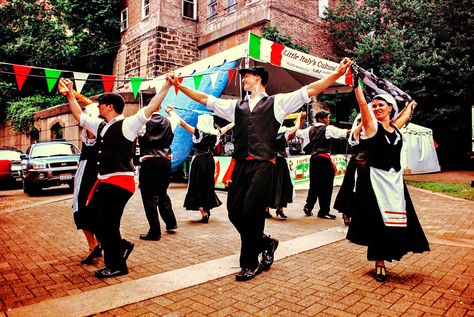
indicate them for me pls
(57, 131)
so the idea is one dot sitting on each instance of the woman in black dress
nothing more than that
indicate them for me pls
(201, 194)
(384, 219)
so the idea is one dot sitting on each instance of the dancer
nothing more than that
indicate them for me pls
(282, 189)
(257, 118)
(155, 174)
(384, 219)
(321, 168)
(115, 181)
(85, 177)
(201, 194)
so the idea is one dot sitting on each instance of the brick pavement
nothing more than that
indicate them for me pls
(40, 251)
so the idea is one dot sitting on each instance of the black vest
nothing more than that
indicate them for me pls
(88, 152)
(319, 142)
(255, 132)
(158, 136)
(382, 153)
(206, 144)
(281, 145)
(114, 151)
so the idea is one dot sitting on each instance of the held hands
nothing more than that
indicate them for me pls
(65, 85)
(172, 79)
(168, 109)
(343, 65)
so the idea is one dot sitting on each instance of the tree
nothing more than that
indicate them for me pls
(425, 48)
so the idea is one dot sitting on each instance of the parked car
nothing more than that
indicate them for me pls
(10, 167)
(49, 163)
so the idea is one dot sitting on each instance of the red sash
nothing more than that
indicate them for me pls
(126, 182)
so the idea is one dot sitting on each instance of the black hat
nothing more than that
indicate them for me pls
(113, 99)
(256, 70)
(321, 114)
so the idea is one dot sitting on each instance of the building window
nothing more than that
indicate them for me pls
(145, 9)
(211, 8)
(231, 6)
(322, 6)
(190, 9)
(124, 20)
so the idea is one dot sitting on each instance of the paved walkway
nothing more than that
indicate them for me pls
(317, 271)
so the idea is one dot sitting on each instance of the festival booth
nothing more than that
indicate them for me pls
(217, 75)
(418, 154)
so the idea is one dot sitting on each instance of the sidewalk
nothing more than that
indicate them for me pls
(40, 252)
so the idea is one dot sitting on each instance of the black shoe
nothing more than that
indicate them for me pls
(106, 272)
(171, 229)
(247, 274)
(279, 212)
(150, 237)
(380, 273)
(95, 253)
(268, 254)
(327, 216)
(127, 248)
(307, 211)
(204, 219)
(268, 215)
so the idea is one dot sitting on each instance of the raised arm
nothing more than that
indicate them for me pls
(226, 128)
(367, 122)
(170, 111)
(195, 95)
(405, 114)
(155, 102)
(67, 90)
(319, 86)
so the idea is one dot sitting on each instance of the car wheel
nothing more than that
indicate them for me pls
(31, 189)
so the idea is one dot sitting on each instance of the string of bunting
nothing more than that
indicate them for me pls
(22, 72)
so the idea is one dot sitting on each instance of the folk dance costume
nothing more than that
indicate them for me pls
(155, 173)
(321, 169)
(201, 192)
(282, 189)
(382, 221)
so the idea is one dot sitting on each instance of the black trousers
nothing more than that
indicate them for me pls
(321, 181)
(154, 180)
(110, 201)
(249, 194)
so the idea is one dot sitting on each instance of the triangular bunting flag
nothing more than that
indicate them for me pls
(52, 76)
(21, 73)
(80, 80)
(213, 79)
(108, 82)
(158, 83)
(276, 54)
(254, 46)
(349, 80)
(197, 81)
(231, 75)
(180, 80)
(136, 82)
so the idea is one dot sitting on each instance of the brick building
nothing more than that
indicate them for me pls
(160, 36)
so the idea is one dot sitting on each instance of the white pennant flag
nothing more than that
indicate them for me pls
(158, 83)
(213, 79)
(80, 79)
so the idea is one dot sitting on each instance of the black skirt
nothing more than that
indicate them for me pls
(282, 187)
(345, 200)
(86, 217)
(367, 226)
(201, 191)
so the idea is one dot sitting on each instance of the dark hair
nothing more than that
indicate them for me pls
(321, 115)
(114, 99)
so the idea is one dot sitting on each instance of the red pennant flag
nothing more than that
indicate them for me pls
(276, 54)
(108, 82)
(180, 80)
(231, 75)
(349, 80)
(21, 73)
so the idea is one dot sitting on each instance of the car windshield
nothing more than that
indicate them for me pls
(53, 149)
(9, 155)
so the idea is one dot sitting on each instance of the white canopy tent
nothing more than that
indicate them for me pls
(418, 152)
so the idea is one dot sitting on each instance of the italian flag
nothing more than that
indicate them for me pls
(265, 50)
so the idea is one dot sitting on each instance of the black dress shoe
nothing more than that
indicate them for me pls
(95, 253)
(268, 215)
(204, 219)
(268, 255)
(279, 212)
(247, 274)
(380, 273)
(150, 237)
(106, 272)
(327, 216)
(307, 211)
(127, 248)
(171, 229)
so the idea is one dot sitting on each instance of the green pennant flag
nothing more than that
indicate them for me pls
(254, 46)
(136, 82)
(361, 84)
(52, 76)
(197, 81)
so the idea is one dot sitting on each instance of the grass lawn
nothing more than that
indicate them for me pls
(457, 190)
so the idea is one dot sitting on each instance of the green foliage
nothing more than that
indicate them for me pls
(272, 34)
(425, 48)
(20, 113)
